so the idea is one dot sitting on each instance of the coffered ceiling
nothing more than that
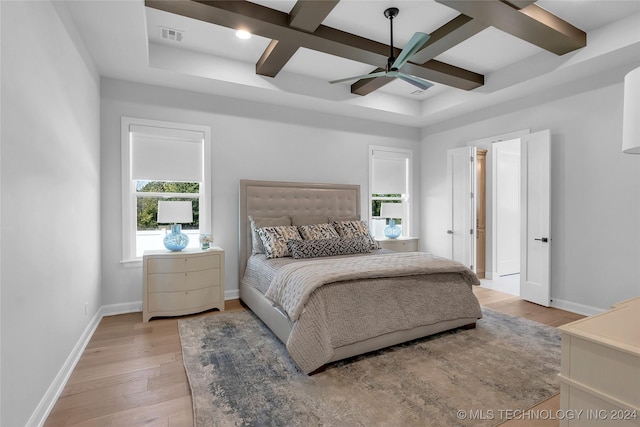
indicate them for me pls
(480, 53)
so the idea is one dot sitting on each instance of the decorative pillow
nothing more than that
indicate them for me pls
(258, 222)
(317, 231)
(274, 240)
(354, 229)
(309, 219)
(328, 247)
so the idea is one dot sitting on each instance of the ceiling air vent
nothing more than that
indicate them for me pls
(171, 34)
(417, 92)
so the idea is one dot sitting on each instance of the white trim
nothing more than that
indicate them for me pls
(574, 307)
(122, 308)
(39, 416)
(487, 141)
(230, 294)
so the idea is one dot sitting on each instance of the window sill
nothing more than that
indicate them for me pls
(132, 263)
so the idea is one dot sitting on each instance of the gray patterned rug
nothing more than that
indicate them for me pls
(240, 374)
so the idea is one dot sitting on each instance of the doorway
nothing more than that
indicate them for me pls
(498, 215)
(533, 166)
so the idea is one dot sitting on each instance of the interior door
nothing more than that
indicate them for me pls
(461, 169)
(535, 230)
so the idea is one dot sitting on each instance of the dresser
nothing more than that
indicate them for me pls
(600, 373)
(401, 244)
(185, 282)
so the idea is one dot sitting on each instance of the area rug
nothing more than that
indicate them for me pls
(241, 375)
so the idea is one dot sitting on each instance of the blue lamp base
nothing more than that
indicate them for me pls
(392, 231)
(176, 240)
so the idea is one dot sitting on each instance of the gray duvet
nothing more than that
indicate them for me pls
(336, 301)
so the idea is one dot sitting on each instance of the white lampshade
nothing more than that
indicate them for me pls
(392, 210)
(170, 212)
(631, 113)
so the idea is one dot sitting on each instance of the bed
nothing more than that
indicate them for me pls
(329, 308)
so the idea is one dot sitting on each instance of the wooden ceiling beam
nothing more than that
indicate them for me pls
(273, 24)
(306, 15)
(530, 23)
(444, 38)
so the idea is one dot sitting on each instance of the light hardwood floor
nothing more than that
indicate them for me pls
(131, 373)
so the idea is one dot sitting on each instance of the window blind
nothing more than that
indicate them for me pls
(165, 154)
(390, 172)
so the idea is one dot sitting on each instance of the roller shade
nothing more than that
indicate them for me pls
(164, 154)
(390, 171)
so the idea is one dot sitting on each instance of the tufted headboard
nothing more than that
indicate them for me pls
(274, 199)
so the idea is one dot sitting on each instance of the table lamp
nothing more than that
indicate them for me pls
(392, 211)
(176, 214)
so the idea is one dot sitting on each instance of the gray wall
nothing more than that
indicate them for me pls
(595, 253)
(249, 141)
(50, 201)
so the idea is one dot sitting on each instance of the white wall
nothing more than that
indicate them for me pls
(249, 141)
(595, 253)
(50, 189)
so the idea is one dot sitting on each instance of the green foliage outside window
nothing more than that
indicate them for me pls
(147, 207)
(376, 204)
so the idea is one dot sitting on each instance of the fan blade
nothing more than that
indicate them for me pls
(414, 45)
(364, 76)
(416, 81)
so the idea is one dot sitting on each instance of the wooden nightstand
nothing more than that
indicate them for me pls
(401, 244)
(185, 282)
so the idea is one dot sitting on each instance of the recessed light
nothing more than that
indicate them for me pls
(243, 34)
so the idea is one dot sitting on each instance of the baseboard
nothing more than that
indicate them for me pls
(574, 307)
(123, 308)
(231, 294)
(49, 399)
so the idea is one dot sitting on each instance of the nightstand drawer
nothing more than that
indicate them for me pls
(402, 244)
(179, 301)
(180, 264)
(185, 281)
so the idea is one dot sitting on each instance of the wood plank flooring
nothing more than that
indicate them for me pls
(131, 373)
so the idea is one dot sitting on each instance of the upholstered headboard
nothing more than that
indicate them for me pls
(274, 199)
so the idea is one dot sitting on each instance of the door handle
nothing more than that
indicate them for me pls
(449, 231)
(543, 240)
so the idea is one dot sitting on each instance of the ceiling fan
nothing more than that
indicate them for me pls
(394, 64)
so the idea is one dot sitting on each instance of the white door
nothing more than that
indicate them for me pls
(535, 237)
(461, 166)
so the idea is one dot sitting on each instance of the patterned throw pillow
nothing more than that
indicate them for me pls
(328, 247)
(274, 240)
(258, 222)
(317, 231)
(354, 229)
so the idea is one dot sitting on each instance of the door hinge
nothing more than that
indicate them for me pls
(471, 231)
(471, 159)
(471, 195)
(471, 267)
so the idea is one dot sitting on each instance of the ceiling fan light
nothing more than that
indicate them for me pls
(243, 34)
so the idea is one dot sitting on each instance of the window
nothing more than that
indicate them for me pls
(162, 161)
(390, 183)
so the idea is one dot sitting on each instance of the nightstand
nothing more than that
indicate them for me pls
(401, 244)
(185, 282)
